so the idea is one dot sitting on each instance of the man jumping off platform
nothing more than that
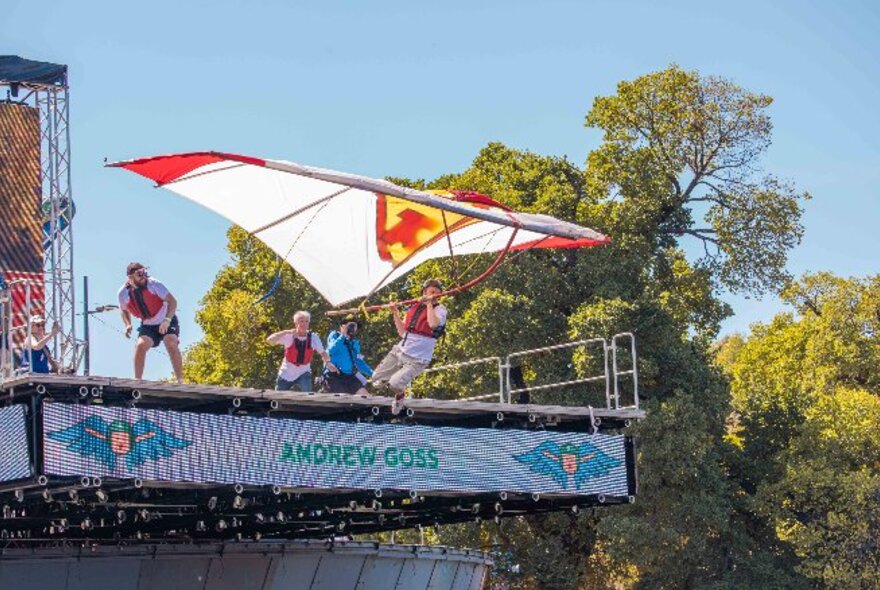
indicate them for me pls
(423, 324)
(150, 301)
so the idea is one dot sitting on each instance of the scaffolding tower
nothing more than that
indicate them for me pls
(44, 86)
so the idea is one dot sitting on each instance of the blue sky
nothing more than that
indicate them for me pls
(416, 89)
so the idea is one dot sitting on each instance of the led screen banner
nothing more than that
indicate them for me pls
(14, 459)
(183, 447)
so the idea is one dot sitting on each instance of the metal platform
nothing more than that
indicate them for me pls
(252, 464)
(327, 406)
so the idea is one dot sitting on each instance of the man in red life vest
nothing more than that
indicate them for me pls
(420, 328)
(300, 345)
(150, 301)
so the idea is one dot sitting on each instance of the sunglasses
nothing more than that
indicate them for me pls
(140, 273)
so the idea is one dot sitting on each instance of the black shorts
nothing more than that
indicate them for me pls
(153, 331)
(341, 383)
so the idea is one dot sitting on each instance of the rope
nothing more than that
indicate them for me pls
(483, 251)
(449, 243)
(363, 305)
(529, 249)
(274, 286)
(485, 274)
(364, 310)
(120, 332)
(281, 260)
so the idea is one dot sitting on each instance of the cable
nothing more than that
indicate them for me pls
(456, 276)
(281, 261)
(485, 274)
(121, 333)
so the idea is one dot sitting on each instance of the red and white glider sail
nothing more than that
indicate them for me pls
(351, 235)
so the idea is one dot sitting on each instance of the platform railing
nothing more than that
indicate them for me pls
(618, 373)
(502, 376)
(612, 372)
(6, 361)
(559, 384)
(7, 317)
(10, 341)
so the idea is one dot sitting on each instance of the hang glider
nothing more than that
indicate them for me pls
(350, 235)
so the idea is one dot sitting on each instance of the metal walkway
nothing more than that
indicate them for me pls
(251, 464)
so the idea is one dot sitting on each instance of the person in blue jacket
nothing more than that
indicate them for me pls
(352, 370)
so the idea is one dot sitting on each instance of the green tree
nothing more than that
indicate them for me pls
(805, 391)
(682, 151)
(827, 502)
(680, 160)
(677, 146)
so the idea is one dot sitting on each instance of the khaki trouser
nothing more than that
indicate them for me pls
(398, 369)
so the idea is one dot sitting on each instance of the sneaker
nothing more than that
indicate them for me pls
(397, 404)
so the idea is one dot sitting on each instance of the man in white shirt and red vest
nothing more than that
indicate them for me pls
(300, 345)
(150, 301)
(420, 328)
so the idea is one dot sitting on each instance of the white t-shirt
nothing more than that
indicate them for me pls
(155, 287)
(290, 372)
(422, 347)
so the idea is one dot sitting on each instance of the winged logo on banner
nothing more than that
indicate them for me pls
(106, 442)
(580, 462)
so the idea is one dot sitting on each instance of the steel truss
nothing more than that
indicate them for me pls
(52, 101)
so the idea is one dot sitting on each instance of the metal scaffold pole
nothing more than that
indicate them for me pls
(29, 85)
(87, 353)
(58, 204)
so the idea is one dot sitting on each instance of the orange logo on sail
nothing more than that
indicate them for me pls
(404, 227)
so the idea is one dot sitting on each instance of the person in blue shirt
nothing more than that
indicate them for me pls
(40, 356)
(352, 370)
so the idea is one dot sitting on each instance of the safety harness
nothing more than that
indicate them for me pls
(140, 299)
(350, 348)
(417, 323)
(300, 352)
